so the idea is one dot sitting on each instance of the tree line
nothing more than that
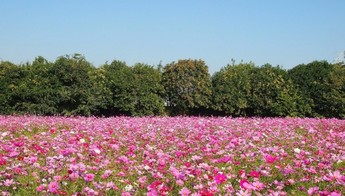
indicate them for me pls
(73, 86)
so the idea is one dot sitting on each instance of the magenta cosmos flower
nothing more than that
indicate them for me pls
(254, 174)
(184, 191)
(89, 177)
(53, 187)
(270, 159)
(220, 178)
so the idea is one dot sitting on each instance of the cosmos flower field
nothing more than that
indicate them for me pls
(171, 156)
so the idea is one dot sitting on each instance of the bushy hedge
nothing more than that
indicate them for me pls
(73, 86)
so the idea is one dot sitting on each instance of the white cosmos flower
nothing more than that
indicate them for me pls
(128, 187)
(297, 150)
(97, 151)
(146, 167)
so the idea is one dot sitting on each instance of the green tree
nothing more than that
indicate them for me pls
(74, 84)
(187, 87)
(36, 92)
(232, 88)
(10, 77)
(134, 90)
(321, 85)
(336, 97)
(100, 97)
(147, 90)
(272, 93)
(119, 79)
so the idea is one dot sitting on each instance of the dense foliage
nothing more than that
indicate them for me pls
(187, 86)
(322, 86)
(232, 89)
(73, 86)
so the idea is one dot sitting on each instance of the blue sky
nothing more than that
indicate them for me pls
(149, 31)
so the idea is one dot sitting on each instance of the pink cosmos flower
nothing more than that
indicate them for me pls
(161, 162)
(242, 183)
(125, 193)
(220, 178)
(32, 160)
(96, 151)
(254, 174)
(152, 192)
(335, 176)
(89, 177)
(14, 154)
(40, 188)
(180, 182)
(184, 191)
(214, 190)
(335, 194)
(224, 159)
(82, 167)
(57, 178)
(110, 185)
(154, 184)
(164, 190)
(124, 159)
(90, 191)
(74, 176)
(175, 172)
(52, 130)
(18, 170)
(53, 187)
(142, 180)
(205, 192)
(106, 174)
(122, 174)
(8, 182)
(313, 190)
(246, 185)
(243, 193)
(2, 161)
(291, 181)
(258, 186)
(270, 159)
(242, 173)
(73, 167)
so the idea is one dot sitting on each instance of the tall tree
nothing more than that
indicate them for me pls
(134, 90)
(74, 85)
(272, 92)
(119, 77)
(231, 89)
(147, 90)
(100, 97)
(187, 86)
(36, 92)
(320, 84)
(10, 77)
(336, 97)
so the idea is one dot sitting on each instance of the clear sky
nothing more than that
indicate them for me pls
(149, 31)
